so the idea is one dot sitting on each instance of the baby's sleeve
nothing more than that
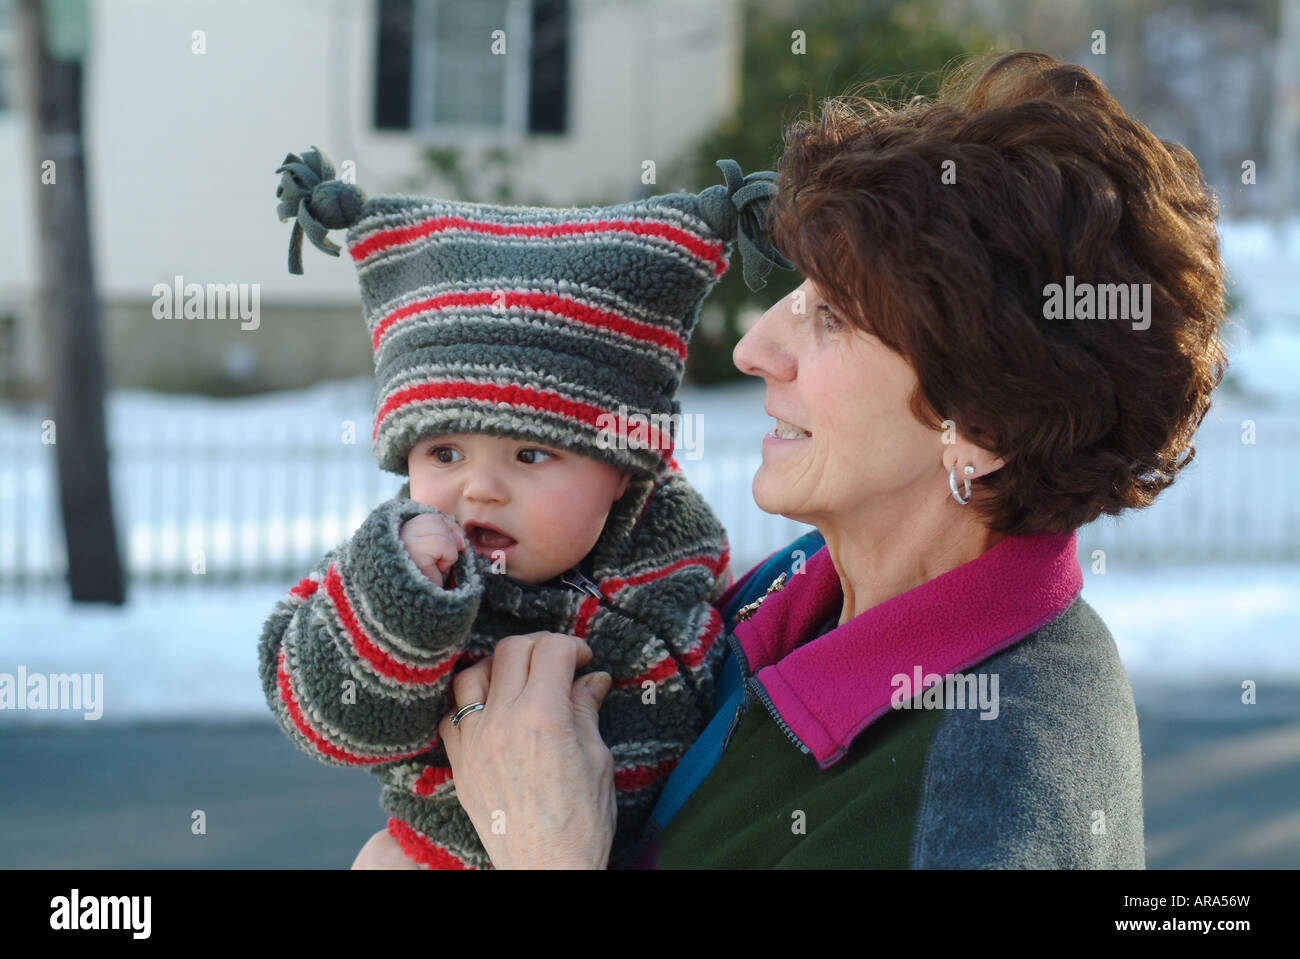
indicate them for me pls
(356, 658)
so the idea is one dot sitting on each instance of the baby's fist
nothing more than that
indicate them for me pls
(433, 540)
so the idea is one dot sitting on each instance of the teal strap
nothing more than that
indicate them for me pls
(738, 211)
(699, 761)
(729, 695)
(320, 203)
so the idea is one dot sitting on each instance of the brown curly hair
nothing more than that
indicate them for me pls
(1052, 179)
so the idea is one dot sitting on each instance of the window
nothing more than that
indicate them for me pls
(436, 69)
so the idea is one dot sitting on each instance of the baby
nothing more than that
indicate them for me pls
(518, 354)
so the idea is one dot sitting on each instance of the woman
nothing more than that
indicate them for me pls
(927, 689)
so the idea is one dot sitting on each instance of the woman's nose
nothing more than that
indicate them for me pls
(762, 351)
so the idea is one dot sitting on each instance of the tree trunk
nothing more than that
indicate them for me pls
(69, 315)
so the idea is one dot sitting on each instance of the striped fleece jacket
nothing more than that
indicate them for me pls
(356, 660)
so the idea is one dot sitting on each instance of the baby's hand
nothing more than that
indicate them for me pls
(434, 541)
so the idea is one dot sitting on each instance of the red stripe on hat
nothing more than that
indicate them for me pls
(431, 779)
(564, 306)
(366, 648)
(522, 396)
(420, 848)
(711, 252)
(639, 777)
(316, 739)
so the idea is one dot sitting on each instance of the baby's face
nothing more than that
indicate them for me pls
(550, 505)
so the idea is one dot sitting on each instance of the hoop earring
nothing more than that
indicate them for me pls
(952, 482)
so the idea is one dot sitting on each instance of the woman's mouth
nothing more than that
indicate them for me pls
(788, 431)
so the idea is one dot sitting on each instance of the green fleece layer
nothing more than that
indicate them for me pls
(1055, 783)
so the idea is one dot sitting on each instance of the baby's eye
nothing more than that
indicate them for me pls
(535, 453)
(438, 451)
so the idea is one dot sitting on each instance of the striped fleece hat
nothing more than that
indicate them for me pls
(566, 327)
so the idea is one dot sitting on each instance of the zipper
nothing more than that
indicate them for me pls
(582, 584)
(738, 651)
(752, 685)
(757, 688)
(735, 722)
(575, 578)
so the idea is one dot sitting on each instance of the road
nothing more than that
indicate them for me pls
(1219, 787)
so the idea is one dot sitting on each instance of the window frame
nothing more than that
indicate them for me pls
(516, 92)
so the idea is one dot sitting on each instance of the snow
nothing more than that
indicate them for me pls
(192, 654)
(165, 654)
(1200, 623)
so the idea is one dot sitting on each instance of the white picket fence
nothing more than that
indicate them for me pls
(263, 504)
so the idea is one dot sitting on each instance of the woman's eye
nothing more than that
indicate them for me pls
(438, 451)
(829, 319)
(534, 453)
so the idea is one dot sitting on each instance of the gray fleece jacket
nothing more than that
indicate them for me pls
(356, 661)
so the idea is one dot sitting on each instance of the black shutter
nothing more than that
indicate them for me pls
(548, 80)
(393, 65)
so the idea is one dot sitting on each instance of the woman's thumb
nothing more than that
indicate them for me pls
(591, 689)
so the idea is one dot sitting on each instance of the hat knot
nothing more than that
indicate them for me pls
(309, 192)
(738, 211)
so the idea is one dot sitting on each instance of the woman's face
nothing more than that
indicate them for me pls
(859, 448)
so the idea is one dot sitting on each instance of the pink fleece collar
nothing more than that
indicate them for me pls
(830, 689)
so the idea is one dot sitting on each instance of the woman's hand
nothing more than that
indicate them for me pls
(530, 768)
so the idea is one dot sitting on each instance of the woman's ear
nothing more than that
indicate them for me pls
(976, 456)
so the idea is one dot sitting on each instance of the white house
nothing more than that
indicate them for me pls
(191, 104)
